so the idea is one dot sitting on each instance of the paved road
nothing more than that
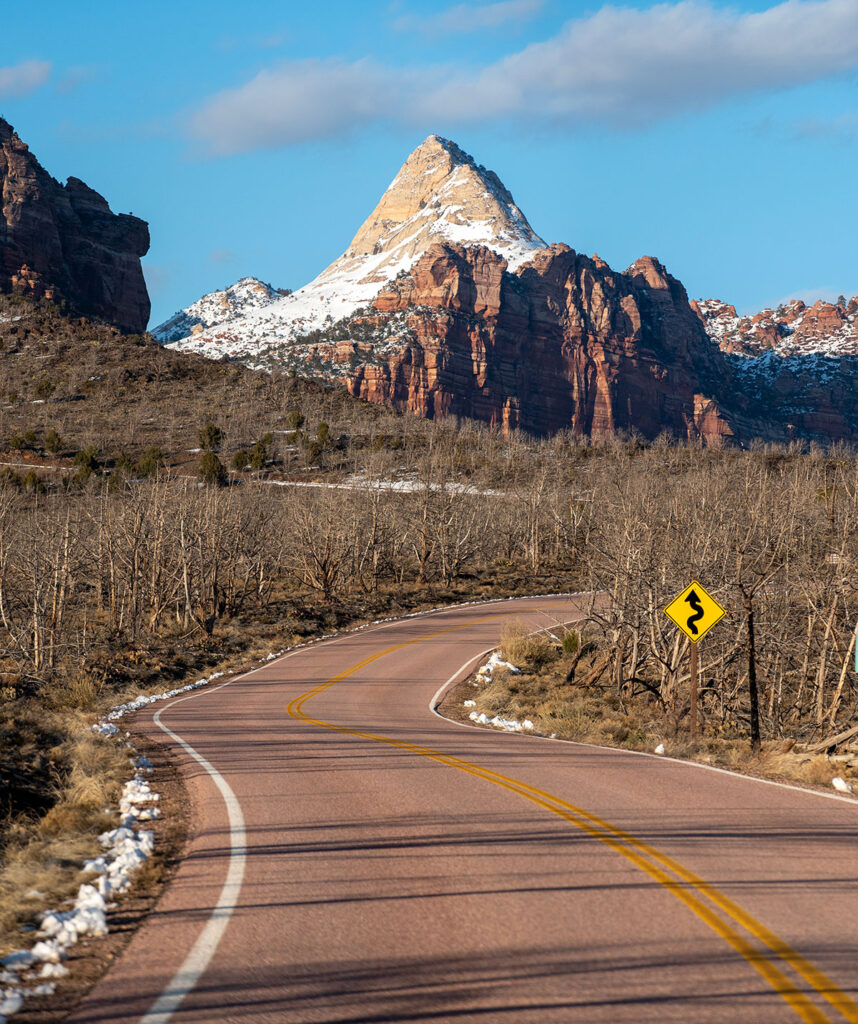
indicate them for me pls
(400, 867)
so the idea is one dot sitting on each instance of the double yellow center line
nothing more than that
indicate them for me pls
(718, 911)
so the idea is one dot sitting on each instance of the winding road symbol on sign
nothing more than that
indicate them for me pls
(695, 611)
(694, 600)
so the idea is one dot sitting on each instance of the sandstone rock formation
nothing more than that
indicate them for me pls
(566, 343)
(439, 194)
(62, 242)
(824, 328)
(447, 303)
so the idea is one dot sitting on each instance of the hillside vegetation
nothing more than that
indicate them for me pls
(129, 562)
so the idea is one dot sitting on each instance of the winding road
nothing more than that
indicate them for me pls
(356, 858)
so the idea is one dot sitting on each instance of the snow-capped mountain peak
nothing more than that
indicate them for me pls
(442, 195)
(439, 195)
(218, 308)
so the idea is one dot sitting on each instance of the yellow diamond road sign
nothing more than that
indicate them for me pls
(695, 611)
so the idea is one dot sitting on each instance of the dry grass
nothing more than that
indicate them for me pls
(78, 692)
(83, 774)
(523, 647)
(594, 715)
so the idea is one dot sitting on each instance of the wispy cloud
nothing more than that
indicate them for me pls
(223, 256)
(837, 129)
(470, 17)
(74, 77)
(22, 79)
(297, 102)
(623, 67)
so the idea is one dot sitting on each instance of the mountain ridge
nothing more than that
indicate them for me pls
(794, 328)
(423, 204)
(218, 307)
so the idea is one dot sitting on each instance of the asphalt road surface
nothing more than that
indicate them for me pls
(356, 858)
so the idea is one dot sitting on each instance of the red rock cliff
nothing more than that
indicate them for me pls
(565, 342)
(64, 243)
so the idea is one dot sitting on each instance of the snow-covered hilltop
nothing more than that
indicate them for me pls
(439, 195)
(218, 308)
(826, 328)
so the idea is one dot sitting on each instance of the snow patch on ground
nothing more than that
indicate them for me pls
(106, 726)
(31, 972)
(484, 675)
(507, 724)
(407, 485)
(484, 672)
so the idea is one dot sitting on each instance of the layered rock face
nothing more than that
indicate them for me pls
(62, 242)
(797, 365)
(565, 343)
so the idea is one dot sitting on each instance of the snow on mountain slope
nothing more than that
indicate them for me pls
(217, 308)
(440, 194)
(826, 328)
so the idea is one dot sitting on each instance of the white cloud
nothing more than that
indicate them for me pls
(633, 66)
(470, 17)
(21, 79)
(297, 102)
(621, 66)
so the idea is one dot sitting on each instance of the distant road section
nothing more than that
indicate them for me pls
(356, 858)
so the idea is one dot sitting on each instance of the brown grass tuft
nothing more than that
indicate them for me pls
(524, 648)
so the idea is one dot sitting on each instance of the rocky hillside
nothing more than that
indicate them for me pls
(62, 242)
(826, 328)
(797, 364)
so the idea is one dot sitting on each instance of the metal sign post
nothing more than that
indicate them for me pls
(692, 722)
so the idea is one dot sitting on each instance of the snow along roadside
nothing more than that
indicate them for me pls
(484, 675)
(33, 972)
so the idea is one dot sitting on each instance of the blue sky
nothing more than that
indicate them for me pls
(256, 137)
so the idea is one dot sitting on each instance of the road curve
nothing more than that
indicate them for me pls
(355, 858)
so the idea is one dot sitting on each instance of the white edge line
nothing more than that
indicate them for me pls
(195, 963)
(458, 675)
(185, 979)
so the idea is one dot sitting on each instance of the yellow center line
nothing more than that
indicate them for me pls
(630, 847)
